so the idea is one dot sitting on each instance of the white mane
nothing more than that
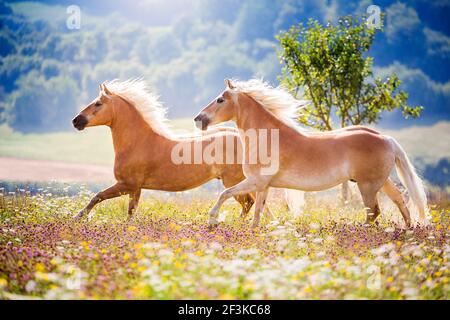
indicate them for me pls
(276, 100)
(136, 92)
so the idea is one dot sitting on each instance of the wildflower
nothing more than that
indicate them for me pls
(226, 296)
(40, 267)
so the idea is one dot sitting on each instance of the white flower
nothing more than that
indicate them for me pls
(30, 286)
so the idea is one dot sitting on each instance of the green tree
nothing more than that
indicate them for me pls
(42, 104)
(329, 66)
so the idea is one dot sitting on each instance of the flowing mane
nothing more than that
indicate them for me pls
(276, 100)
(136, 92)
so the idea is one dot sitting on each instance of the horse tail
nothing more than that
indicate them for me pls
(295, 200)
(410, 179)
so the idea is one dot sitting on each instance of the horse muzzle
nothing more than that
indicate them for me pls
(202, 121)
(80, 122)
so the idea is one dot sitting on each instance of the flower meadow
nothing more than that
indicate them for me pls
(167, 252)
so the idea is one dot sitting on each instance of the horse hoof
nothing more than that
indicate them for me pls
(213, 223)
(255, 225)
(78, 216)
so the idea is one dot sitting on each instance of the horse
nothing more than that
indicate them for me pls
(310, 162)
(143, 146)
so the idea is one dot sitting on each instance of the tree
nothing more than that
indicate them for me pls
(42, 104)
(330, 64)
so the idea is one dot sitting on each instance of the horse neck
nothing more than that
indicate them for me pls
(129, 128)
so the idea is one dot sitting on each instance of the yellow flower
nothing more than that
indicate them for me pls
(40, 267)
(438, 273)
(178, 265)
(138, 246)
(419, 269)
(307, 289)
(133, 265)
(198, 253)
(131, 228)
(85, 245)
(19, 263)
(226, 296)
(126, 256)
(174, 226)
(41, 276)
(249, 285)
(390, 279)
(141, 269)
(3, 282)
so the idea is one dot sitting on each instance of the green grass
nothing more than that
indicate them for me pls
(167, 252)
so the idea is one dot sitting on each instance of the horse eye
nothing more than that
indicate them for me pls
(220, 100)
(98, 104)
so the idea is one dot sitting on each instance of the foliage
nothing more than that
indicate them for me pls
(183, 50)
(331, 64)
(167, 252)
(439, 173)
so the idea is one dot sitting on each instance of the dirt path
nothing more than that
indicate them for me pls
(15, 169)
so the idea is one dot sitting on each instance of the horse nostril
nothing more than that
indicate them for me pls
(79, 122)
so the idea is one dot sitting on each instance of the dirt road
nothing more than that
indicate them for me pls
(15, 169)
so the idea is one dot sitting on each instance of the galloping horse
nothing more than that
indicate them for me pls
(143, 147)
(310, 162)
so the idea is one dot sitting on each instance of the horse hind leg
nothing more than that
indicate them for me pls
(369, 192)
(391, 190)
(246, 201)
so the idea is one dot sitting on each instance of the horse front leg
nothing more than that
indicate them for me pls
(259, 206)
(243, 187)
(133, 203)
(112, 192)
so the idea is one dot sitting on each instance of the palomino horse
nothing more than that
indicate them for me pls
(143, 147)
(309, 162)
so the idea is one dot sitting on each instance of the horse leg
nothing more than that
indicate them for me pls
(259, 206)
(391, 190)
(112, 192)
(134, 200)
(369, 192)
(243, 187)
(246, 201)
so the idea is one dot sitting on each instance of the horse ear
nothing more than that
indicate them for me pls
(101, 87)
(106, 90)
(229, 84)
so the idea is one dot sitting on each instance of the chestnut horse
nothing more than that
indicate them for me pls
(310, 162)
(143, 146)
